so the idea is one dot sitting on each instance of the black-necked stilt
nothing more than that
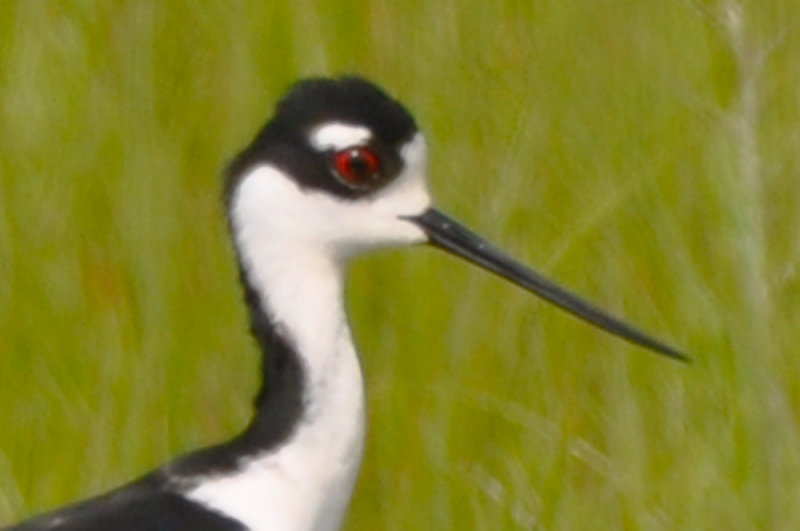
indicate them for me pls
(338, 170)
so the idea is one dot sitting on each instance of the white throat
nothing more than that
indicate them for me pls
(293, 244)
(305, 483)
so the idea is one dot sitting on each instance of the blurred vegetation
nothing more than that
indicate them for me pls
(644, 154)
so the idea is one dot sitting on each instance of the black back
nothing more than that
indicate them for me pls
(147, 504)
(156, 501)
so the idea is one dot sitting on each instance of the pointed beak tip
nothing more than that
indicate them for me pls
(449, 235)
(670, 353)
(680, 356)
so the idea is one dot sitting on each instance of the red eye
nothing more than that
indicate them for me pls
(358, 166)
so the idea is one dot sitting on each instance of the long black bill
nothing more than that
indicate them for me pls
(455, 238)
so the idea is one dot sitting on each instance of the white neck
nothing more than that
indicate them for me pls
(306, 482)
(292, 243)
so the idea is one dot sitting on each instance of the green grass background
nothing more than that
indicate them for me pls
(645, 154)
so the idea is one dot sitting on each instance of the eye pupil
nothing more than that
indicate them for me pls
(357, 166)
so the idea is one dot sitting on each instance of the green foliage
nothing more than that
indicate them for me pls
(644, 154)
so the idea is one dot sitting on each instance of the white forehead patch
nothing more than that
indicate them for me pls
(336, 135)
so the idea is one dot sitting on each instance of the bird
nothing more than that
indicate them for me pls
(339, 169)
